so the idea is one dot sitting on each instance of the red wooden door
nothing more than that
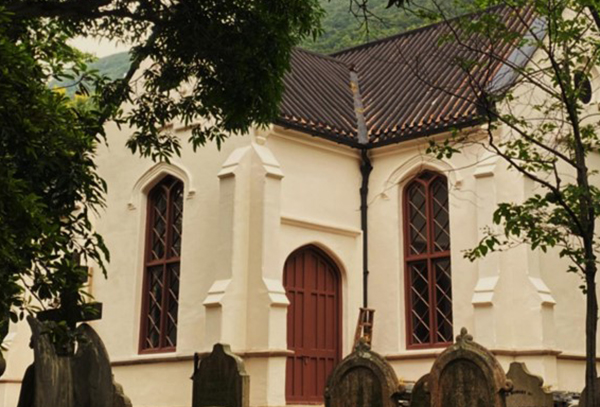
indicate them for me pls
(312, 284)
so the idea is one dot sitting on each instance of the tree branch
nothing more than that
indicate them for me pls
(73, 9)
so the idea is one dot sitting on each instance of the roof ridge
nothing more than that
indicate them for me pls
(325, 57)
(409, 32)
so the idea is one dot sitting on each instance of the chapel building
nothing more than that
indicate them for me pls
(268, 244)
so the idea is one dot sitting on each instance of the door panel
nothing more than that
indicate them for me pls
(312, 284)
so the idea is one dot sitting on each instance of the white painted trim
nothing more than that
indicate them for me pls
(483, 294)
(216, 293)
(152, 176)
(320, 226)
(411, 167)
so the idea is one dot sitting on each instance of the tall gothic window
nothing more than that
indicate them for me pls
(162, 266)
(427, 261)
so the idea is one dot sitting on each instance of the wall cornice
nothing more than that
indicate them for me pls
(319, 226)
(259, 353)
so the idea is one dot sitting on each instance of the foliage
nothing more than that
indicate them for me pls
(346, 25)
(48, 180)
(215, 62)
(538, 120)
(341, 28)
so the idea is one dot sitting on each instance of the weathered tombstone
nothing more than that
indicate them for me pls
(420, 396)
(3, 333)
(92, 374)
(2, 364)
(582, 401)
(220, 379)
(467, 375)
(80, 380)
(362, 379)
(52, 385)
(527, 388)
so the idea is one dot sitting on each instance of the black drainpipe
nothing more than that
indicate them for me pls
(365, 170)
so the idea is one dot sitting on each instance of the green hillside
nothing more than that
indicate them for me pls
(114, 66)
(343, 30)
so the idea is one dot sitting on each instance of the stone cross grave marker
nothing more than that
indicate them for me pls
(527, 388)
(363, 379)
(220, 380)
(83, 379)
(467, 375)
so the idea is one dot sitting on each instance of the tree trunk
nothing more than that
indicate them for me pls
(591, 329)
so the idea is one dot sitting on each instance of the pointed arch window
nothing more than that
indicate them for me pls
(162, 266)
(428, 279)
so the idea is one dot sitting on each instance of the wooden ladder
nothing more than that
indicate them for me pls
(364, 327)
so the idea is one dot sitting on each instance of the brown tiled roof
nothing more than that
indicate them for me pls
(318, 97)
(404, 82)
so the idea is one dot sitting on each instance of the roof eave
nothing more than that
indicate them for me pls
(425, 133)
(316, 133)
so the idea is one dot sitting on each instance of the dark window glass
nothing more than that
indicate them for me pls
(162, 266)
(427, 260)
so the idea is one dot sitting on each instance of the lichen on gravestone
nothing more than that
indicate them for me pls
(467, 375)
(420, 393)
(363, 379)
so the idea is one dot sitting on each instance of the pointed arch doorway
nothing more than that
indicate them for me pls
(312, 283)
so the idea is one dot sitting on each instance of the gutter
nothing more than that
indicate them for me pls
(365, 170)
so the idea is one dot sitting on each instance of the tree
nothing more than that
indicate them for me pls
(525, 65)
(217, 59)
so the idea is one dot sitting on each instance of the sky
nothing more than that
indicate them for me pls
(97, 46)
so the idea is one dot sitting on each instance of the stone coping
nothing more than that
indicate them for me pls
(170, 358)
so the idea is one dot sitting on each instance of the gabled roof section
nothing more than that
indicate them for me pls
(318, 98)
(410, 84)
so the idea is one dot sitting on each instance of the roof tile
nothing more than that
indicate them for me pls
(410, 84)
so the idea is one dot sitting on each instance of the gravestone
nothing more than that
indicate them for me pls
(582, 401)
(3, 332)
(363, 379)
(420, 396)
(2, 364)
(467, 375)
(220, 379)
(83, 379)
(527, 388)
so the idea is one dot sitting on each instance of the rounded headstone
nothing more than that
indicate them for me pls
(363, 379)
(467, 375)
(220, 379)
(527, 388)
(420, 396)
